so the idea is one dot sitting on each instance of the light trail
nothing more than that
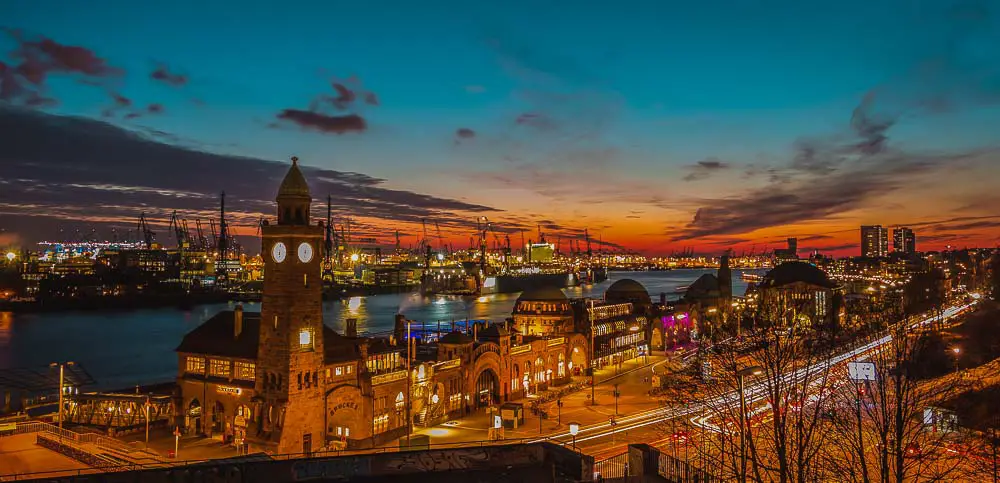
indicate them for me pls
(753, 393)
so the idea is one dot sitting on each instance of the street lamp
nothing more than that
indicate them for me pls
(559, 405)
(574, 428)
(62, 385)
(740, 375)
(957, 351)
(11, 256)
(616, 394)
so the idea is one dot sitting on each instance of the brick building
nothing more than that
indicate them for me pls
(281, 381)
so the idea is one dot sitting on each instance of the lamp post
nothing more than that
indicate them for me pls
(574, 428)
(593, 395)
(616, 394)
(409, 389)
(958, 352)
(740, 375)
(147, 422)
(62, 385)
(559, 405)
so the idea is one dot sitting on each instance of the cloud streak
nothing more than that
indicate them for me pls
(99, 172)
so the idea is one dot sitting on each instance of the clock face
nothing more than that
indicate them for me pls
(278, 252)
(305, 252)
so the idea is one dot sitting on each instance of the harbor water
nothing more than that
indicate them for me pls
(122, 349)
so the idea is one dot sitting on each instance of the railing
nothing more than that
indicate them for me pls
(613, 467)
(102, 442)
(484, 348)
(677, 471)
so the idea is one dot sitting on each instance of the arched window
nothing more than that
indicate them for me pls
(400, 401)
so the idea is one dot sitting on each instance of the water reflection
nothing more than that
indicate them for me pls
(125, 348)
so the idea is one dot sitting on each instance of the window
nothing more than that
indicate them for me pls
(195, 365)
(218, 368)
(246, 371)
(400, 402)
(339, 371)
(305, 339)
(349, 369)
(381, 423)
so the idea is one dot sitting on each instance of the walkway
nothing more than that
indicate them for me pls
(633, 379)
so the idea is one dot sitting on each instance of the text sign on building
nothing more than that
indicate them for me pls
(230, 390)
(861, 371)
(387, 378)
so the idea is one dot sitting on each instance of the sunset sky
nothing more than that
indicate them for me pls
(657, 125)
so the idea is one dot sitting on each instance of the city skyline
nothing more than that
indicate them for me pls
(671, 129)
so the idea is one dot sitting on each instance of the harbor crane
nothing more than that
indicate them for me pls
(180, 231)
(147, 233)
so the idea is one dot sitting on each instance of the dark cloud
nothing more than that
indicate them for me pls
(704, 168)
(323, 123)
(99, 174)
(163, 74)
(23, 80)
(345, 104)
(828, 176)
(464, 133)
(155, 108)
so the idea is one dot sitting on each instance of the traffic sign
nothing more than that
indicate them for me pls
(861, 371)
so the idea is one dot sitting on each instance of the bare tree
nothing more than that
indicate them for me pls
(880, 424)
(765, 407)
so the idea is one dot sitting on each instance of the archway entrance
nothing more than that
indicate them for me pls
(487, 389)
(194, 416)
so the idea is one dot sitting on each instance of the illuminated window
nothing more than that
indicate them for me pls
(381, 423)
(195, 365)
(218, 368)
(348, 369)
(305, 339)
(339, 371)
(246, 371)
(400, 402)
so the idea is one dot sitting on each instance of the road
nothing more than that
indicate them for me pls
(601, 439)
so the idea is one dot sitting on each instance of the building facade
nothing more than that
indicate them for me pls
(874, 241)
(282, 382)
(904, 241)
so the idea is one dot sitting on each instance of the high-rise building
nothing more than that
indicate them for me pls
(793, 245)
(904, 241)
(874, 241)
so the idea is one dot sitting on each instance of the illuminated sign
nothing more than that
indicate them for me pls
(387, 378)
(230, 390)
(520, 349)
(451, 364)
(557, 341)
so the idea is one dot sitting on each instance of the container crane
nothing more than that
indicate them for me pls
(147, 233)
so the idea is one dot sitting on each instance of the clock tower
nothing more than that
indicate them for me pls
(290, 353)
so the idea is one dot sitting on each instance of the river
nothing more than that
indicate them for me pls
(123, 348)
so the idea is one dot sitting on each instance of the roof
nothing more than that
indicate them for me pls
(215, 337)
(793, 272)
(455, 337)
(294, 183)
(546, 293)
(627, 289)
(339, 348)
(44, 378)
(494, 331)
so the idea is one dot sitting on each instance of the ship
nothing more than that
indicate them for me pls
(522, 281)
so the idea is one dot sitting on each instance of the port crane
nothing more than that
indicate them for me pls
(180, 231)
(147, 233)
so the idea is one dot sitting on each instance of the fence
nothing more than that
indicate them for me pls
(102, 442)
(613, 467)
(675, 470)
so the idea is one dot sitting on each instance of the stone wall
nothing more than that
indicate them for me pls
(558, 461)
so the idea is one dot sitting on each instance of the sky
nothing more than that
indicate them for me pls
(654, 126)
